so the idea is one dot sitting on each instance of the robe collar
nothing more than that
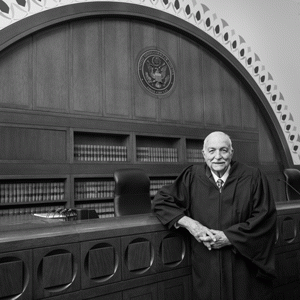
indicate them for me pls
(224, 177)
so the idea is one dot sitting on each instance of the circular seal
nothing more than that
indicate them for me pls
(156, 72)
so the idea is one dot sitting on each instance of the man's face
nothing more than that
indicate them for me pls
(218, 153)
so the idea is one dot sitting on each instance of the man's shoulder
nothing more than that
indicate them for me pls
(195, 169)
(241, 168)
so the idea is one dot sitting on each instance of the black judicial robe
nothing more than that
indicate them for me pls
(245, 211)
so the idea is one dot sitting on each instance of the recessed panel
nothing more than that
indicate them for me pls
(57, 270)
(11, 278)
(139, 255)
(101, 262)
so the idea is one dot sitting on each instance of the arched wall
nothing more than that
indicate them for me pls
(194, 20)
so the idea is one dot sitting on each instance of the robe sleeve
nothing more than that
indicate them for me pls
(255, 237)
(171, 202)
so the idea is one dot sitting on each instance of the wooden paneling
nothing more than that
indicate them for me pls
(266, 149)
(100, 262)
(118, 69)
(86, 66)
(175, 289)
(190, 82)
(249, 113)
(143, 37)
(51, 69)
(16, 76)
(56, 270)
(245, 151)
(170, 106)
(173, 250)
(148, 292)
(231, 100)
(212, 90)
(11, 274)
(138, 255)
(15, 275)
(32, 144)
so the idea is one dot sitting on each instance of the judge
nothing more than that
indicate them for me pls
(228, 209)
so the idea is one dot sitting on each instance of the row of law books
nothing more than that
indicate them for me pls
(94, 189)
(103, 209)
(154, 154)
(102, 153)
(194, 155)
(156, 184)
(14, 192)
(27, 210)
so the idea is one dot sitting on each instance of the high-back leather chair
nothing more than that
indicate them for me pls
(132, 192)
(292, 187)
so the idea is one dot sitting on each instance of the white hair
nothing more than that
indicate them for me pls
(220, 133)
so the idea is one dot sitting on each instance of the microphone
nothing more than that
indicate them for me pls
(298, 193)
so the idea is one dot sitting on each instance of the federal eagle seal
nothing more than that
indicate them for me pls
(156, 72)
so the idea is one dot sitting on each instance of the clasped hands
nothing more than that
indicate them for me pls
(212, 239)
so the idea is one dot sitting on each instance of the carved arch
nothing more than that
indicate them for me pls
(41, 20)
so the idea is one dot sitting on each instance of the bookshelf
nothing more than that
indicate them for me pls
(194, 150)
(94, 156)
(157, 149)
(100, 147)
(93, 117)
(95, 193)
(28, 196)
(157, 182)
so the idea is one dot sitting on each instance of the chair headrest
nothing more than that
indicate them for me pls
(131, 181)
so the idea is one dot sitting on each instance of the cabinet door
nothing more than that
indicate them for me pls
(147, 292)
(175, 289)
(15, 275)
(56, 270)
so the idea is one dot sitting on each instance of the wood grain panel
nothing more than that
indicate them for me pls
(51, 69)
(87, 78)
(11, 275)
(57, 270)
(175, 289)
(16, 274)
(101, 262)
(143, 37)
(266, 146)
(139, 255)
(32, 144)
(118, 77)
(147, 292)
(212, 89)
(16, 75)
(172, 251)
(288, 231)
(232, 116)
(191, 82)
(170, 106)
(249, 113)
(245, 151)
(114, 296)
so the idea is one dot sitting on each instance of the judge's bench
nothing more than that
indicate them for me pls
(129, 257)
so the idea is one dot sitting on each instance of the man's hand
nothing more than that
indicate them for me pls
(220, 240)
(200, 232)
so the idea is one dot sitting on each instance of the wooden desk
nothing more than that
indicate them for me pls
(116, 258)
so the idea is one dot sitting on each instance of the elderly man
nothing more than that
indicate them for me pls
(228, 209)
